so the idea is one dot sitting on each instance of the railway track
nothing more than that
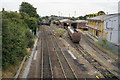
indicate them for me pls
(99, 50)
(107, 74)
(50, 59)
(58, 71)
(114, 62)
(46, 62)
(96, 64)
(66, 67)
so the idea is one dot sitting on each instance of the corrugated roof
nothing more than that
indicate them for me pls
(65, 20)
(79, 21)
(76, 21)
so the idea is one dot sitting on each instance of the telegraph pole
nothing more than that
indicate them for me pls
(69, 14)
(74, 13)
(59, 13)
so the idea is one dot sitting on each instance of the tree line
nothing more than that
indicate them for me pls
(18, 33)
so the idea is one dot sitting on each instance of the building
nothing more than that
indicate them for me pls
(95, 26)
(77, 24)
(81, 24)
(112, 28)
(105, 27)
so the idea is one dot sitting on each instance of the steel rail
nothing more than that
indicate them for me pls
(59, 61)
(55, 40)
(49, 58)
(45, 41)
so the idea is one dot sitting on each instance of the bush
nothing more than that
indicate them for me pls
(61, 32)
(104, 41)
(16, 37)
(30, 44)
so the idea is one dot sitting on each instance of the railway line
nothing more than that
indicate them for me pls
(95, 63)
(79, 70)
(104, 55)
(98, 66)
(58, 71)
(54, 63)
(66, 67)
(46, 62)
(99, 50)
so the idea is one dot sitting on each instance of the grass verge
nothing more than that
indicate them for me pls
(107, 50)
(11, 71)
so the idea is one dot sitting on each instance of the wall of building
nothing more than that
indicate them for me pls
(96, 27)
(111, 30)
(119, 27)
(79, 25)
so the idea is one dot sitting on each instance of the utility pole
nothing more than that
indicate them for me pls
(74, 13)
(69, 14)
(59, 13)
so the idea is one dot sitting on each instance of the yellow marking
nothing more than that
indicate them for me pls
(97, 77)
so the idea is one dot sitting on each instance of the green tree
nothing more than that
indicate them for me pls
(29, 9)
(16, 37)
(82, 17)
(32, 24)
(101, 13)
(30, 16)
(24, 15)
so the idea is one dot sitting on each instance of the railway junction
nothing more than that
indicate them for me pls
(59, 58)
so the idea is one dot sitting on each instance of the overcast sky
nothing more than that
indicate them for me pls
(64, 7)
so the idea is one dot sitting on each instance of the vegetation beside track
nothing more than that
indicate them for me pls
(18, 33)
(107, 50)
(59, 31)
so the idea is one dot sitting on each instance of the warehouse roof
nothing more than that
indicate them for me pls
(79, 21)
(65, 20)
(76, 21)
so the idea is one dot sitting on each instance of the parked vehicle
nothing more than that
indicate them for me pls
(74, 35)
